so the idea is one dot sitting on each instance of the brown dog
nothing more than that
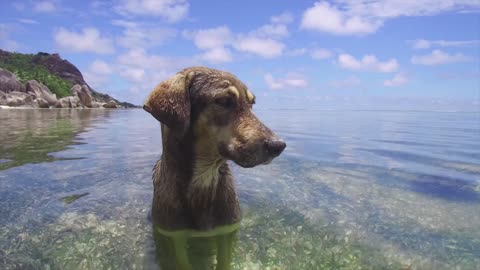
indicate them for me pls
(206, 119)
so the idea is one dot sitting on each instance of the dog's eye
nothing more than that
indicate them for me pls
(226, 102)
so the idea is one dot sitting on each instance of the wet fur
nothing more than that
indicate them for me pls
(193, 184)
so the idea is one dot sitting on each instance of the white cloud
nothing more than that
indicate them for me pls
(324, 17)
(367, 63)
(469, 11)
(139, 58)
(95, 4)
(395, 8)
(102, 8)
(125, 23)
(271, 83)
(297, 52)
(210, 38)
(136, 35)
(456, 43)
(95, 81)
(361, 17)
(101, 67)
(98, 74)
(171, 10)
(438, 57)
(155, 67)
(44, 6)
(425, 44)
(213, 42)
(27, 21)
(421, 44)
(321, 54)
(272, 30)
(88, 40)
(397, 80)
(290, 81)
(133, 74)
(284, 18)
(276, 29)
(264, 47)
(263, 41)
(217, 55)
(350, 82)
(143, 70)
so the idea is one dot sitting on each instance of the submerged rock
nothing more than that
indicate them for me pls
(74, 197)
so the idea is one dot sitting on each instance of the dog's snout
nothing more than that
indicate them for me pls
(275, 147)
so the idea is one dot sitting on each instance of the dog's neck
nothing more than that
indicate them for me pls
(199, 166)
(196, 185)
(206, 170)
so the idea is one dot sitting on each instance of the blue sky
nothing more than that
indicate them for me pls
(292, 54)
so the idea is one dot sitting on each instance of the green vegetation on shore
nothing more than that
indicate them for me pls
(25, 69)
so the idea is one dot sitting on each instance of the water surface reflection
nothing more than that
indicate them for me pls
(353, 190)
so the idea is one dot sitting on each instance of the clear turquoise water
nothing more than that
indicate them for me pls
(377, 189)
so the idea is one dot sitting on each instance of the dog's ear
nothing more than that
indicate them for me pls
(169, 102)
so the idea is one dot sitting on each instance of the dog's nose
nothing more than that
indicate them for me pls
(275, 147)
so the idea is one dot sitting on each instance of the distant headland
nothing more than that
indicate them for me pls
(46, 80)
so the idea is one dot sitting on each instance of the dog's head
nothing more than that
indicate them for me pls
(216, 108)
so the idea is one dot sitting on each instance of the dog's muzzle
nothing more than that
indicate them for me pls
(274, 147)
(260, 153)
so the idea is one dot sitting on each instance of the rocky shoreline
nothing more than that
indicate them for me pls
(36, 95)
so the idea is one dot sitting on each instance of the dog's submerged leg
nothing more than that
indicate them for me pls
(202, 252)
(181, 255)
(171, 252)
(225, 244)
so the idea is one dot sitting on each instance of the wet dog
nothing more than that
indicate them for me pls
(206, 119)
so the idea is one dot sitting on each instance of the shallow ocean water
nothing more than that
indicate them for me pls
(352, 190)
